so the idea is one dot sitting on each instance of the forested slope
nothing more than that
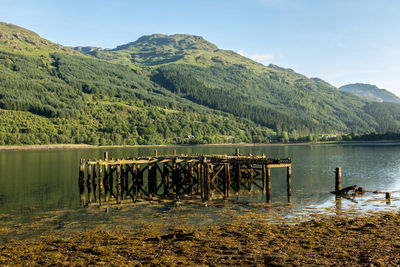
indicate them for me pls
(165, 90)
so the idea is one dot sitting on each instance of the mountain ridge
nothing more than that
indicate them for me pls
(170, 89)
(371, 92)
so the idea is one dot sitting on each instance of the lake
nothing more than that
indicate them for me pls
(39, 188)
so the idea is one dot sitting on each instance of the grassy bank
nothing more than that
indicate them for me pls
(334, 240)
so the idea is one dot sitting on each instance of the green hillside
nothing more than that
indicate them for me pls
(165, 90)
(371, 91)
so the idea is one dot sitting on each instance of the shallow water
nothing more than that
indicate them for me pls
(39, 188)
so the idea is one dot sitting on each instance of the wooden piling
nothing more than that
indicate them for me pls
(268, 178)
(338, 179)
(289, 181)
(387, 195)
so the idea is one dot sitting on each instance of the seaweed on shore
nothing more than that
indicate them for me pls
(325, 240)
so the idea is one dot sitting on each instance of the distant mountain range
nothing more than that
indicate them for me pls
(371, 92)
(166, 89)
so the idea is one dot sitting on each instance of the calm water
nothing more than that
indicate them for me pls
(42, 185)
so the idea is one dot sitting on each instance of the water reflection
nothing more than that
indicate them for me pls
(37, 182)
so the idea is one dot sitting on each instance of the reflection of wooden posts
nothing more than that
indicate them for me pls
(251, 177)
(387, 195)
(264, 178)
(200, 176)
(208, 174)
(111, 181)
(289, 181)
(186, 175)
(338, 179)
(338, 201)
(139, 180)
(134, 183)
(82, 182)
(122, 181)
(152, 179)
(101, 185)
(175, 178)
(268, 178)
(164, 178)
(227, 180)
(238, 178)
(191, 179)
(126, 179)
(119, 187)
(94, 183)
(106, 179)
(89, 183)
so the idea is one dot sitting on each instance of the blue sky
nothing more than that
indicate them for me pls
(340, 41)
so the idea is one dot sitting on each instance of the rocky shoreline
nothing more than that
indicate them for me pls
(372, 240)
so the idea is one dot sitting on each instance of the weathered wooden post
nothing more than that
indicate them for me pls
(237, 152)
(289, 181)
(338, 179)
(82, 182)
(387, 195)
(268, 178)
(119, 184)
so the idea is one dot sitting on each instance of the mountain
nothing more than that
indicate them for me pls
(16, 39)
(166, 89)
(371, 92)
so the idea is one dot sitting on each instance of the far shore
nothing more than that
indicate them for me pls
(85, 146)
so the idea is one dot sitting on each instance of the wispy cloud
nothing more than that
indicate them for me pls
(262, 58)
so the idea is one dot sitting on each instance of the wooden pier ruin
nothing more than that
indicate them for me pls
(178, 176)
